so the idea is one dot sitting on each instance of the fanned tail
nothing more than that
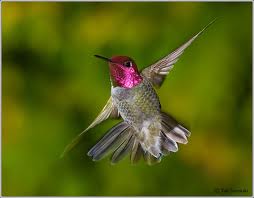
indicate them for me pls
(121, 140)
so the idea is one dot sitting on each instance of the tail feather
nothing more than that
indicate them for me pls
(111, 140)
(168, 143)
(136, 152)
(173, 130)
(123, 149)
(171, 134)
(150, 159)
(122, 139)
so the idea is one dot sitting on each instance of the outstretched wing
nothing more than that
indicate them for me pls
(157, 72)
(109, 110)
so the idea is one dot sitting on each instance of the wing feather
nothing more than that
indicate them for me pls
(157, 72)
(109, 110)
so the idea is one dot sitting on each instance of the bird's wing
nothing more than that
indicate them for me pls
(157, 72)
(109, 110)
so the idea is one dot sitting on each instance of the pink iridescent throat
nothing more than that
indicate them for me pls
(124, 77)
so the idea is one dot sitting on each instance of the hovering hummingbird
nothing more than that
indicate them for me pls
(145, 130)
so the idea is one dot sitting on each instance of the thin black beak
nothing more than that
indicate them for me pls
(103, 58)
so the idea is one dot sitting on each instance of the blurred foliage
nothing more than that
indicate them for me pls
(53, 87)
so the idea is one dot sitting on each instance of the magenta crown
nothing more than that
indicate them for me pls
(123, 71)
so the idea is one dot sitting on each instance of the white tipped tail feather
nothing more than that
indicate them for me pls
(122, 139)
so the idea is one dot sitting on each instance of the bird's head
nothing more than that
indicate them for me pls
(123, 71)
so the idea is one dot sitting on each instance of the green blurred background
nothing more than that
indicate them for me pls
(53, 87)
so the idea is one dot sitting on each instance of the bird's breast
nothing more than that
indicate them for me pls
(137, 104)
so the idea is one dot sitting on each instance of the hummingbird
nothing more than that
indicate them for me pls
(145, 130)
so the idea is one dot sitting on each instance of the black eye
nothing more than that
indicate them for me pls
(127, 64)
